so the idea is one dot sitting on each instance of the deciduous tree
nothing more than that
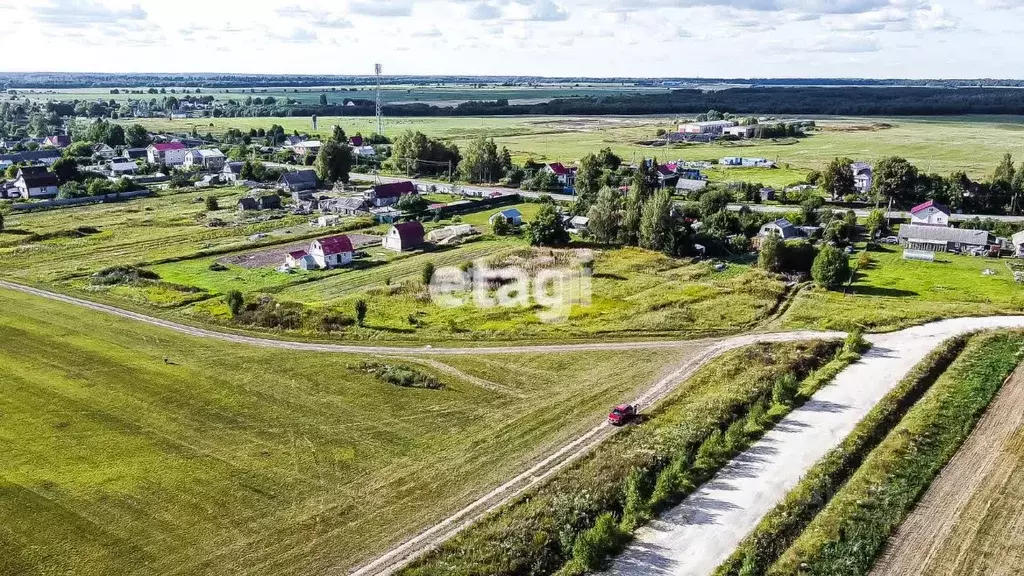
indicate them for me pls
(333, 162)
(837, 179)
(894, 179)
(831, 268)
(547, 228)
(606, 216)
(656, 222)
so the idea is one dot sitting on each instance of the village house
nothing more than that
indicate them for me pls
(685, 186)
(578, 225)
(212, 159)
(862, 176)
(714, 127)
(566, 176)
(930, 213)
(301, 260)
(47, 157)
(364, 151)
(59, 141)
(1017, 240)
(104, 151)
(232, 172)
(348, 206)
(930, 238)
(307, 148)
(331, 252)
(389, 194)
(168, 153)
(782, 228)
(510, 215)
(36, 182)
(266, 202)
(747, 162)
(136, 153)
(122, 166)
(404, 236)
(299, 181)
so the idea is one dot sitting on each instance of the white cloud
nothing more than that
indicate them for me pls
(388, 8)
(72, 13)
(536, 11)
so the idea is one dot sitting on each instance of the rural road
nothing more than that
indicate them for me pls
(693, 538)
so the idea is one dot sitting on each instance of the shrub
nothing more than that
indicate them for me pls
(217, 267)
(116, 275)
(595, 545)
(235, 302)
(831, 268)
(785, 390)
(428, 273)
(361, 309)
(399, 375)
(212, 204)
(636, 510)
(710, 450)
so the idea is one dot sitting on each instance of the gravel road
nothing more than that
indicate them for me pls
(693, 538)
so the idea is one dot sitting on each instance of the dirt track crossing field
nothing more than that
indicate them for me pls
(971, 520)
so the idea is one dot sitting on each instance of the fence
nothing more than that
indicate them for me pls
(69, 202)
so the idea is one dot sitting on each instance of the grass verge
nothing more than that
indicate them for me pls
(586, 513)
(847, 536)
(783, 525)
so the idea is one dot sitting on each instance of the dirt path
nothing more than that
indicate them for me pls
(950, 531)
(693, 538)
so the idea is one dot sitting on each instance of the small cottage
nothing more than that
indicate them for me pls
(404, 236)
(511, 215)
(930, 213)
(331, 252)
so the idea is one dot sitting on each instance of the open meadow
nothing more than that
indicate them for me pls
(129, 449)
(890, 293)
(974, 144)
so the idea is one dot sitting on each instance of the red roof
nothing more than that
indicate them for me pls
(395, 190)
(927, 205)
(666, 171)
(357, 140)
(335, 245)
(411, 233)
(298, 254)
(168, 146)
(558, 168)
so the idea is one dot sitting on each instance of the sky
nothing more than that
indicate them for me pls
(600, 38)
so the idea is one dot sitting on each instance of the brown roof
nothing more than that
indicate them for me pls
(395, 190)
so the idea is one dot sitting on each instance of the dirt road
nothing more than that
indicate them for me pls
(970, 521)
(693, 538)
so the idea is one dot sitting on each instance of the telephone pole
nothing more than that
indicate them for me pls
(380, 102)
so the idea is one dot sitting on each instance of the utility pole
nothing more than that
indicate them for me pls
(380, 103)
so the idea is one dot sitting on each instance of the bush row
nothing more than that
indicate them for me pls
(583, 514)
(851, 531)
(780, 527)
(399, 375)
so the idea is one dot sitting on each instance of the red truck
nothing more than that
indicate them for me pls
(622, 415)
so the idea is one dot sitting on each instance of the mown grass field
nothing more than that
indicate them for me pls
(238, 460)
(974, 144)
(892, 293)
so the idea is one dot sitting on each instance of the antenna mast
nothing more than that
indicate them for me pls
(380, 103)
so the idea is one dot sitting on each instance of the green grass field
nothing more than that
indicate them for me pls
(974, 144)
(892, 293)
(239, 460)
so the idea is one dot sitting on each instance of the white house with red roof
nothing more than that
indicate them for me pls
(300, 259)
(566, 176)
(169, 153)
(331, 252)
(931, 213)
(404, 236)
